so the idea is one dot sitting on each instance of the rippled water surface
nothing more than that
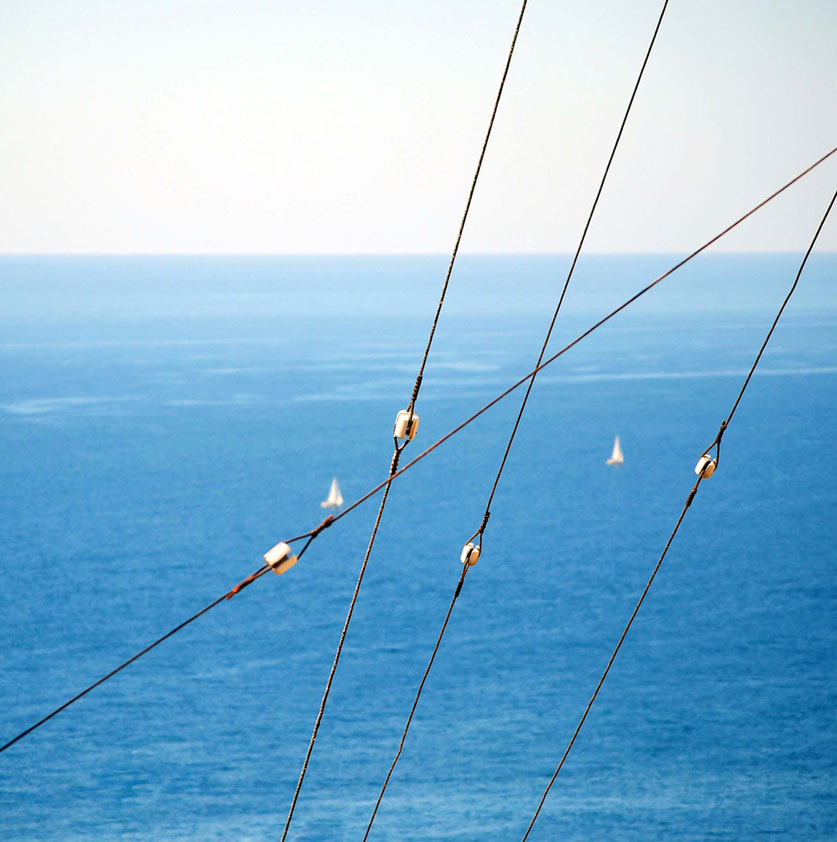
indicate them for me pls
(163, 422)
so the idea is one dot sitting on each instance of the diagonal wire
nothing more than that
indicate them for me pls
(249, 580)
(778, 316)
(689, 498)
(112, 673)
(229, 595)
(481, 531)
(467, 207)
(324, 700)
(613, 656)
(549, 360)
(465, 567)
(572, 266)
(313, 533)
(397, 454)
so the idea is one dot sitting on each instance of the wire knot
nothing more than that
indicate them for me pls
(324, 525)
(242, 584)
(484, 523)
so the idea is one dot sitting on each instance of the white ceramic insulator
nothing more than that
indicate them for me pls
(279, 558)
(470, 554)
(706, 466)
(277, 554)
(404, 428)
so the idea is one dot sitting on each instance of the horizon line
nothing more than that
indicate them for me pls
(445, 255)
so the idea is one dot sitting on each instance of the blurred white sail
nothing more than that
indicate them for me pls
(335, 498)
(616, 458)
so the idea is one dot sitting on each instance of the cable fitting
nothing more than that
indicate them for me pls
(706, 466)
(279, 559)
(470, 554)
(416, 388)
(324, 525)
(406, 425)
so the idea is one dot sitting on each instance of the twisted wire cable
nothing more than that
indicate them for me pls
(398, 449)
(329, 521)
(480, 532)
(573, 264)
(455, 251)
(689, 498)
(457, 591)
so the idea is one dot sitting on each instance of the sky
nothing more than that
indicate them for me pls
(325, 127)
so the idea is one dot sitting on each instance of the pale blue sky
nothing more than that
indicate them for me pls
(345, 127)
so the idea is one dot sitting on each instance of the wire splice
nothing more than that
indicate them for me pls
(245, 582)
(324, 525)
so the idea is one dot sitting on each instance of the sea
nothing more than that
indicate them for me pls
(164, 421)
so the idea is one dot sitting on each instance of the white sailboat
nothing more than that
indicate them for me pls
(335, 498)
(616, 458)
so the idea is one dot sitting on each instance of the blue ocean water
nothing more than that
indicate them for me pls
(164, 421)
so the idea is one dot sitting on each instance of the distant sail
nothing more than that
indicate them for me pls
(335, 498)
(616, 458)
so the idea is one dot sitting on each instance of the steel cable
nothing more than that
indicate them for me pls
(313, 533)
(573, 264)
(582, 336)
(480, 532)
(465, 568)
(455, 251)
(410, 410)
(338, 652)
(689, 498)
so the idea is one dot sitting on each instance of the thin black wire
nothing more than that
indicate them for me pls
(313, 533)
(689, 498)
(118, 669)
(410, 409)
(575, 260)
(324, 700)
(228, 595)
(778, 315)
(481, 530)
(583, 335)
(467, 208)
(465, 568)
(613, 656)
